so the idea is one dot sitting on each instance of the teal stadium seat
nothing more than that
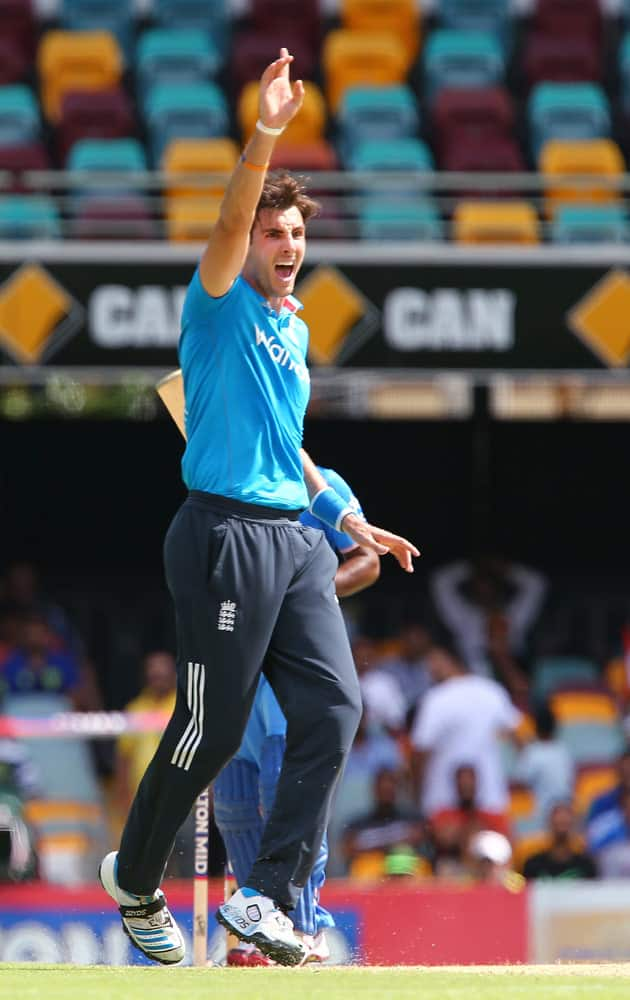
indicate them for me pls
(184, 111)
(115, 16)
(624, 67)
(605, 223)
(166, 55)
(29, 217)
(592, 742)
(477, 15)
(203, 15)
(397, 154)
(553, 672)
(400, 219)
(19, 116)
(462, 60)
(382, 113)
(571, 111)
(107, 155)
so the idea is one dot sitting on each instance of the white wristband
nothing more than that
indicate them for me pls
(267, 128)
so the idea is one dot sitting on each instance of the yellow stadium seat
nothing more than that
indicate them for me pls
(616, 678)
(522, 803)
(198, 156)
(189, 220)
(591, 782)
(361, 58)
(601, 157)
(584, 706)
(525, 847)
(307, 126)
(76, 60)
(400, 17)
(495, 222)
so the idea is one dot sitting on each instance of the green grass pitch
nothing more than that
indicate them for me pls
(65, 982)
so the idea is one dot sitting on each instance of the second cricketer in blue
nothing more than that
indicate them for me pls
(245, 789)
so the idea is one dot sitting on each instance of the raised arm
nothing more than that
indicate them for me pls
(224, 256)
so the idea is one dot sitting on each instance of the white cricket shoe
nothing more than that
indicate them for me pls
(317, 949)
(257, 919)
(146, 919)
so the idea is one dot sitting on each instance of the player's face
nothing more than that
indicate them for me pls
(276, 251)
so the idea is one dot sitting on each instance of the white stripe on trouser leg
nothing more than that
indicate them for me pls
(191, 738)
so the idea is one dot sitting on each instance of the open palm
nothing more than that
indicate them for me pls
(279, 99)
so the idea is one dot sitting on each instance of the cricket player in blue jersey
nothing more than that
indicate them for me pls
(244, 790)
(253, 587)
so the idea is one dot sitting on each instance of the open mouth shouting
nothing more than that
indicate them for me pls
(285, 271)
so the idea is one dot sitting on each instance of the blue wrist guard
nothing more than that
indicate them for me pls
(330, 508)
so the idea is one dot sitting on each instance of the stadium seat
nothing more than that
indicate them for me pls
(107, 155)
(19, 115)
(561, 60)
(495, 222)
(100, 114)
(102, 217)
(15, 159)
(569, 18)
(29, 217)
(400, 219)
(76, 60)
(398, 17)
(198, 156)
(461, 60)
(601, 157)
(308, 126)
(351, 58)
(522, 804)
(397, 154)
(591, 781)
(310, 156)
(115, 16)
(624, 70)
(592, 741)
(458, 113)
(277, 15)
(583, 705)
(18, 26)
(475, 15)
(471, 153)
(212, 18)
(590, 224)
(572, 111)
(553, 672)
(184, 111)
(165, 55)
(252, 51)
(14, 63)
(381, 113)
(188, 220)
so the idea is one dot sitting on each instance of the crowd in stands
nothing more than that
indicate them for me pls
(467, 764)
(449, 86)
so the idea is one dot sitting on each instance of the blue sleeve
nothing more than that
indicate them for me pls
(199, 310)
(274, 721)
(338, 540)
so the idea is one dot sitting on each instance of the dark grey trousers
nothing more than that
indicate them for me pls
(253, 590)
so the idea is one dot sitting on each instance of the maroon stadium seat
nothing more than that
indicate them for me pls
(19, 158)
(95, 114)
(109, 218)
(487, 111)
(561, 60)
(480, 153)
(252, 51)
(18, 26)
(273, 16)
(14, 62)
(569, 18)
(311, 156)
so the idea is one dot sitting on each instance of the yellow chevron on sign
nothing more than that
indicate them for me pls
(602, 319)
(32, 307)
(332, 308)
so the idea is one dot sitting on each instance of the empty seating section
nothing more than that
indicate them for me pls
(391, 86)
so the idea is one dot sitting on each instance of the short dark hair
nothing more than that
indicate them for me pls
(282, 190)
(545, 721)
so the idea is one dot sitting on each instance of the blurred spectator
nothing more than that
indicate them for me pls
(503, 663)
(461, 721)
(452, 829)
(20, 591)
(384, 830)
(18, 784)
(383, 700)
(488, 859)
(469, 595)
(545, 765)
(605, 817)
(613, 859)
(135, 750)
(409, 667)
(565, 858)
(35, 665)
(18, 773)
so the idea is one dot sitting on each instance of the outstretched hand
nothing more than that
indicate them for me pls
(380, 540)
(279, 99)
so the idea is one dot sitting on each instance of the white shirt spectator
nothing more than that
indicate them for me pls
(546, 766)
(460, 721)
(468, 621)
(383, 700)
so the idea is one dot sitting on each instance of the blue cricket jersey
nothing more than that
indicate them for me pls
(246, 386)
(266, 717)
